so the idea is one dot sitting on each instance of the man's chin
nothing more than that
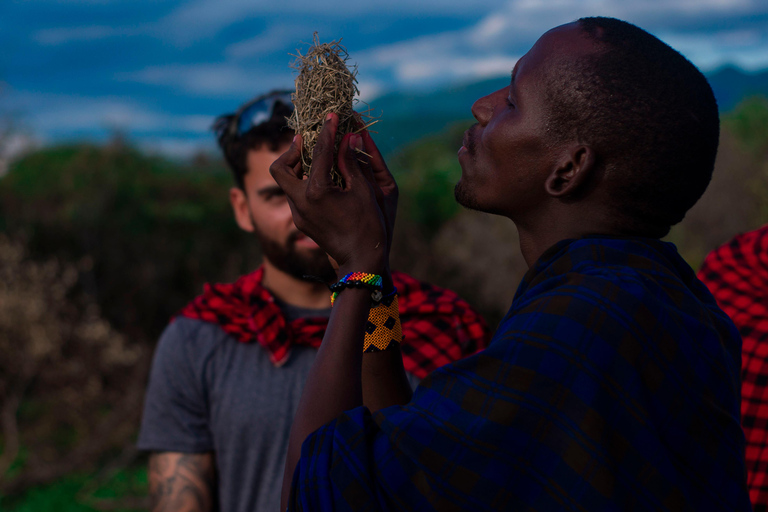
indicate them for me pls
(299, 262)
(465, 197)
(313, 264)
(312, 255)
(323, 271)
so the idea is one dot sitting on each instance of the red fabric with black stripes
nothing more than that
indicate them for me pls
(737, 275)
(438, 326)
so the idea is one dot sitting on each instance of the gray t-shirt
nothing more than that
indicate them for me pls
(209, 392)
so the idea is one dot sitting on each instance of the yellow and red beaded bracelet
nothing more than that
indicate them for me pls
(383, 328)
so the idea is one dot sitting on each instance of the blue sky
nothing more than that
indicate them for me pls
(160, 70)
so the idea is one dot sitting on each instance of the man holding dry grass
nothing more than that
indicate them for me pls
(613, 381)
(229, 370)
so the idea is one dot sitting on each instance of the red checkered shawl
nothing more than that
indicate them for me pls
(737, 275)
(438, 326)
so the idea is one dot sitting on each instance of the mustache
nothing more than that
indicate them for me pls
(469, 138)
(294, 237)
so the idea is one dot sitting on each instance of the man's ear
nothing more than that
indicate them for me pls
(239, 203)
(573, 172)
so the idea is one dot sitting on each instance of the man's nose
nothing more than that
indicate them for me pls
(482, 109)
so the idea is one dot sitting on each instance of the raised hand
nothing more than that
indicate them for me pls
(385, 187)
(353, 225)
(348, 223)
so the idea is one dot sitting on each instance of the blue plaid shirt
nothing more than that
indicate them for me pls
(611, 384)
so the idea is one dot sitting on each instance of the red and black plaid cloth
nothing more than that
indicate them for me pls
(737, 275)
(438, 326)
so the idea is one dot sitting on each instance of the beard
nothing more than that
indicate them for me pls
(462, 192)
(308, 265)
(465, 197)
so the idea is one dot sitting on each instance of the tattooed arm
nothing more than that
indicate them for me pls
(182, 482)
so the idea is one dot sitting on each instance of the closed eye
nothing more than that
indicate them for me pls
(270, 193)
(277, 193)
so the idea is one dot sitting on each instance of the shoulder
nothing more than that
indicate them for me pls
(634, 286)
(628, 266)
(729, 262)
(415, 295)
(419, 300)
(176, 406)
(736, 274)
(188, 341)
(192, 332)
(439, 327)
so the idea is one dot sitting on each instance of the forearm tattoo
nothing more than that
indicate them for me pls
(182, 482)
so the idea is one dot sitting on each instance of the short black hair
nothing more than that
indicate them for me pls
(272, 133)
(649, 113)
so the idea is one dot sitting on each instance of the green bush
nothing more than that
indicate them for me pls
(427, 172)
(749, 124)
(125, 491)
(153, 230)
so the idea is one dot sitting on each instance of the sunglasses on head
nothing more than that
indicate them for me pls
(255, 112)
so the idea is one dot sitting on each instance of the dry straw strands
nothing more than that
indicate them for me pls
(325, 84)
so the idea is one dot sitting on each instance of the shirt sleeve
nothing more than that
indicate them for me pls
(175, 407)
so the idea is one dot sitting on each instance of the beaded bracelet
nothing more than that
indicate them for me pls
(359, 280)
(383, 327)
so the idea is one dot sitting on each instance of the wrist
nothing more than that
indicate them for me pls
(378, 266)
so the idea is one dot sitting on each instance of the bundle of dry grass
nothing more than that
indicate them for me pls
(325, 84)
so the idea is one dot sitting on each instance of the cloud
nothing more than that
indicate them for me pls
(439, 58)
(62, 117)
(203, 18)
(511, 19)
(492, 45)
(228, 79)
(57, 36)
(206, 17)
(117, 115)
(572, 9)
(14, 146)
(745, 48)
(87, 2)
(52, 114)
(274, 38)
(209, 79)
(370, 90)
(450, 68)
(530, 18)
(174, 147)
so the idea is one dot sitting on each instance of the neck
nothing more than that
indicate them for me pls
(542, 233)
(294, 291)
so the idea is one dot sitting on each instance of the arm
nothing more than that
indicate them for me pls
(358, 242)
(182, 482)
(383, 375)
(383, 379)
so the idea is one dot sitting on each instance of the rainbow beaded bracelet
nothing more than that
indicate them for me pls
(359, 280)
